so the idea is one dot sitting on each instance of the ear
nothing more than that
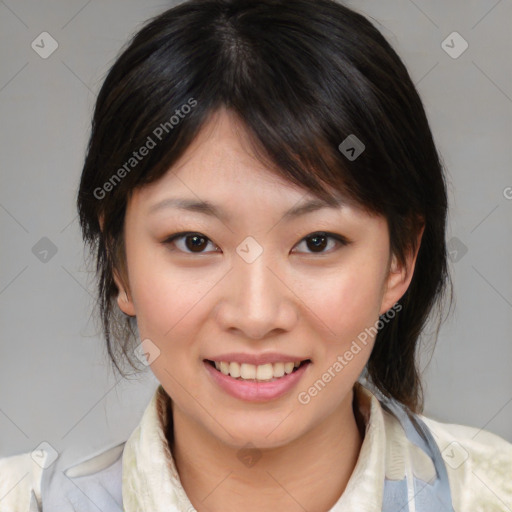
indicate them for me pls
(399, 276)
(123, 299)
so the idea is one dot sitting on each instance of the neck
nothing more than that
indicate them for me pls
(309, 473)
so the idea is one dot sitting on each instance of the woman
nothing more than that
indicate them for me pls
(268, 213)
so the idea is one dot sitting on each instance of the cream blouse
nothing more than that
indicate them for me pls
(479, 466)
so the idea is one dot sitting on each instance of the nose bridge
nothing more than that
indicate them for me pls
(256, 300)
(258, 290)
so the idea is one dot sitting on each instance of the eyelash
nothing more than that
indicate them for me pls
(342, 241)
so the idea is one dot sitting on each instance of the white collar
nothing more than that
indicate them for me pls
(151, 480)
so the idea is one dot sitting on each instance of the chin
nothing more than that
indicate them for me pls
(263, 433)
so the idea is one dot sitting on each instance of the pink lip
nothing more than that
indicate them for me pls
(257, 359)
(256, 391)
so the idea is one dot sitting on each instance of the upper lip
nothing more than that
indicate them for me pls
(257, 359)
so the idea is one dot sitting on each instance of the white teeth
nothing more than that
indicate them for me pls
(264, 372)
(224, 367)
(247, 371)
(234, 370)
(278, 369)
(261, 372)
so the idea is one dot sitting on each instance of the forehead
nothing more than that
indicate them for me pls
(223, 175)
(221, 164)
(224, 150)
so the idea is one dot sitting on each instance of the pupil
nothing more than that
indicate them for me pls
(317, 244)
(193, 245)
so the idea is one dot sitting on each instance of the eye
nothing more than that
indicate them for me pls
(193, 242)
(319, 240)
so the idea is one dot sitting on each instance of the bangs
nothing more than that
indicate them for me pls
(298, 103)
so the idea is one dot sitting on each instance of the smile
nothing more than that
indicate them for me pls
(256, 373)
(256, 383)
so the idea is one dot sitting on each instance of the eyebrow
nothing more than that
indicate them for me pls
(207, 208)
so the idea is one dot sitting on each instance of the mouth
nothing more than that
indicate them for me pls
(245, 372)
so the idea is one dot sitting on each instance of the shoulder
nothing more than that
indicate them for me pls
(479, 465)
(20, 482)
(29, 480)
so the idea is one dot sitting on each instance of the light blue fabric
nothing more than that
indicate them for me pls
(103, 489)
(428, 497)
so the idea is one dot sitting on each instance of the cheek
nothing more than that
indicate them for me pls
(170, 309)
(346, 299)
(346, 307)
(167, 299)
(170, 306)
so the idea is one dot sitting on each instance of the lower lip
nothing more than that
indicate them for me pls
(256, 391)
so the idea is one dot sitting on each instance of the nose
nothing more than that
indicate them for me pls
(255, 300)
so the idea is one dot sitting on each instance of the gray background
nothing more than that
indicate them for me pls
(55, 382)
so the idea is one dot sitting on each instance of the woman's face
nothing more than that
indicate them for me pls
(254, 286)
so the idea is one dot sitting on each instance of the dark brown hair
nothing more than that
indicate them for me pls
(303, 76)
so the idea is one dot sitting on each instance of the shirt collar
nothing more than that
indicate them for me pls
(150, 479)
